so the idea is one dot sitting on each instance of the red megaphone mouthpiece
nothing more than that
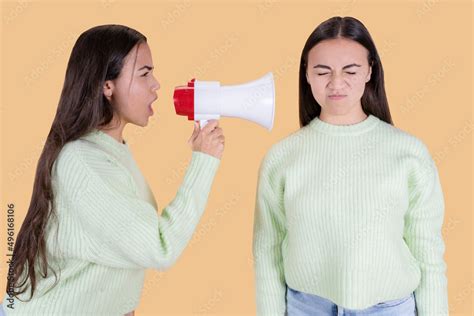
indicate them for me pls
(183, 99)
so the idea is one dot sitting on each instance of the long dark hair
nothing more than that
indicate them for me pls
(98, 55)
(374, 99)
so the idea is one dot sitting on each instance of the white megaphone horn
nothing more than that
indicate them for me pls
(206, 100)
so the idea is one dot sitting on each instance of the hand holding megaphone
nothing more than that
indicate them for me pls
(205, 100)
(209, 139)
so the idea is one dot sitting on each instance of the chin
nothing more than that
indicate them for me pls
(141, 123)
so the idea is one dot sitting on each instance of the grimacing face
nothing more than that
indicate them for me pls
(133, 92)
(337, 71)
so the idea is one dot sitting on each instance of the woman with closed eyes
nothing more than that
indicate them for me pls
(349, 208)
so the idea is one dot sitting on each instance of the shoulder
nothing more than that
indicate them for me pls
(282, 152)
(68, 161)
(79, 154)
(68, 172)
(412, 149)
(81, 166)
(403, 140)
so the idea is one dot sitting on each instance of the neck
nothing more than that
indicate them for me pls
(115, 131)
(353, 117)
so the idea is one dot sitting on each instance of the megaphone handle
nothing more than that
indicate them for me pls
(202, 123)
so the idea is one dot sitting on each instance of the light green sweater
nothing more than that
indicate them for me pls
(109, 228)
(352, 213)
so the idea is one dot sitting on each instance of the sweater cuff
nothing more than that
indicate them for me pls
(431, 296)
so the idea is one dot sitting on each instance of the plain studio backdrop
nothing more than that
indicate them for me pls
(426, 52)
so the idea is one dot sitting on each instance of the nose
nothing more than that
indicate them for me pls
(337, 82)
(156, 85)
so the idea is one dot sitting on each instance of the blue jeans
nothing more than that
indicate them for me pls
(304, 304)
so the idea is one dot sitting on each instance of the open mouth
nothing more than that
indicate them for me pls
(149, 106)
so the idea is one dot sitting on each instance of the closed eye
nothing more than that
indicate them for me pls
(350, 73)
(145, 74)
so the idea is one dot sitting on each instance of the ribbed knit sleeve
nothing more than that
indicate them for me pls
(268, 234)
(121, 230)
(422, 233)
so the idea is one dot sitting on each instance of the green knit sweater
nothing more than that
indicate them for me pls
(109, 230)
(352, 213)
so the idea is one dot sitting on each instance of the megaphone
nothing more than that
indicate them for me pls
(206, 100)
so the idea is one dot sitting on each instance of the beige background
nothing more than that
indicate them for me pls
(426, 51)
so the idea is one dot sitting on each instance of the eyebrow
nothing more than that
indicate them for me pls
(146, 67)
(327, 67)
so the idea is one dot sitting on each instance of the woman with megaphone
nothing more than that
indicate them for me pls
(349, 208)
(92, 227)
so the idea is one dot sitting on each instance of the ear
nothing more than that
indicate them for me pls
(367, 79)
(307, 79)
(108, 89)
